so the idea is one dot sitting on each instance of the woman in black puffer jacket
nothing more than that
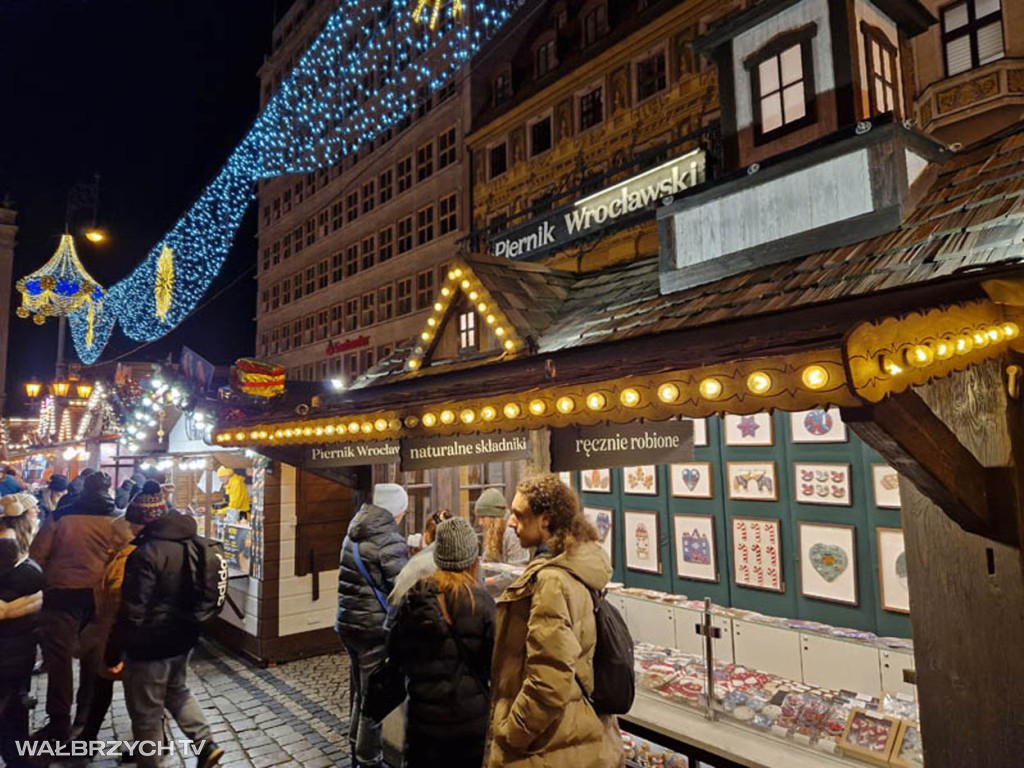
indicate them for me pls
(442, 639)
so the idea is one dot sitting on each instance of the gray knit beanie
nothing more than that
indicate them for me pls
(456, 545)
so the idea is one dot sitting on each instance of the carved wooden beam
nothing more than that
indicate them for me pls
(916, 442)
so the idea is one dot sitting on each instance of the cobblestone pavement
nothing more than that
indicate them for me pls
(295, 714)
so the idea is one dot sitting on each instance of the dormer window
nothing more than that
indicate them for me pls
(502, 88)
(468, 341)
(972, 34)
(782, 84)
(594, 22)
(546, 58)
(880, 57)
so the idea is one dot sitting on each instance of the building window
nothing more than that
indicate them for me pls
(384, 185)
(337, 319)
(309, 328)
(385, 302)
(502, 88)
(322, 274)
(265, 301)
(782, 84)
(369, 252)
(425, 224)
(337, 215)
(369, 196)
(322, 220)
(448, 217)
(650, 76)
(277, 209)
(266, 259)
(445, 148)
(972, 34)
(591, 108)
(264, 344)
(285, 338)
(540, 136)
(366, 360)
(545, 58)
(298, 192)
(297, 285)
(424, 161)
(266, 215)
(467, 331)
(286, 246)
(366, 316)
(297, 334)
(352, 314)
(275, 297)
(385, 240)
(276, 253)
(311, 230)
(337, 267)
(352, 260)
(594, 23)
(322, 324)
(352, 366)
(405, 234)
(499, 160)
(352, 205)
(403, 293)
(404, 173)
(286, 201)
(424, 289)
(423, 101)
(297, 239)
(310, 280)
(880, 58)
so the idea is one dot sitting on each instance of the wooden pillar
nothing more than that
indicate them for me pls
(967, 592)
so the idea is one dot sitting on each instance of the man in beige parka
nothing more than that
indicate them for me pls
(544, 641)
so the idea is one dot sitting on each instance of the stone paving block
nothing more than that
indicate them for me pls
(273, 758)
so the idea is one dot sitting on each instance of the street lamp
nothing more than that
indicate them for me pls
(83, 390)
(61, 387)
(95, 235)
(33, 389)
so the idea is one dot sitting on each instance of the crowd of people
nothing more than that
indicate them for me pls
(102, 576)
(487, 683)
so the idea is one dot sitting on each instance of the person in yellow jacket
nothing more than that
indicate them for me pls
(236, 490)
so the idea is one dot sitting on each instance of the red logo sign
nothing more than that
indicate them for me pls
(336, 347)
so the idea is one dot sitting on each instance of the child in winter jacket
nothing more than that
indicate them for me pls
(20, 580)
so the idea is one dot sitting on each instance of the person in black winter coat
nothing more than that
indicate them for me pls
(362, 604)
(442, 638)
(19, 577)
(155, 626)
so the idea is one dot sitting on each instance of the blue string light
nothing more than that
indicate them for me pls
(362, 75)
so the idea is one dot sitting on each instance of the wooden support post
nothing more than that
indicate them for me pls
(916, 443)
(966, 591)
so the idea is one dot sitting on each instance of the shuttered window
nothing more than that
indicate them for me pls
(972, 34)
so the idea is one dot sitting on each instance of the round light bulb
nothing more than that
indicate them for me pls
(814, 377)
(431, 321)
(451, 274)
(596, 401)
(944, 348)
(509, 344)
(980, 339)
(465, 284)
(964, 344)
(629, 397)
(429, 419)
(411, 422)
(710, 388)
(488, 413)
(1011, 330)
(759, 382)
(919, 356)
(380, 425)
(447, 417)
(512, 410)
(481, 307)
(468, 416)
(438, 306)
(538, 407)
(413, 364)
(353, 427)
(458, 273)
(367, 427)
(995, 334)
(565, 404)
(473, 295)
(668, 392)
(499, 331)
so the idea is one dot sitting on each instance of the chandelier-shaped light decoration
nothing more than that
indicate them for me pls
(60, 287)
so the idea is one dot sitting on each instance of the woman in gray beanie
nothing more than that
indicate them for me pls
(442, 639)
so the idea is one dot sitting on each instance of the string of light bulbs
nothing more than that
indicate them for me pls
(364, 73)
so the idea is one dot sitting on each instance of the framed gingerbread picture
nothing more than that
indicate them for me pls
(757, 553)
(756, 430)
(828, 562)
(603, 519)
(641, 541)
(827, 484)
(694, 540)
(596, 480)
(692, 480)
(752, 480)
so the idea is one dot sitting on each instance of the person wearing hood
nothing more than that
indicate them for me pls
(73, 548)
(543, 669)
(153, 628)
(372, 556)
(442, 639)
(10, 482)
(236, 491)
(50, 496)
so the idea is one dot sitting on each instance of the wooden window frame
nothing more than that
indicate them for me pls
(425, 224)
(469, 331)
(872, 34)
(404, 235)
(970, 29)
(447, 214)
(774, 48)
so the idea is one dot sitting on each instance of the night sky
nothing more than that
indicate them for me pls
(152, 95)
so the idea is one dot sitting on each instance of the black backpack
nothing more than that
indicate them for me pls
(206, 568)
(614, 681)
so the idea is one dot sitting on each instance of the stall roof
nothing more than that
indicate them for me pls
(967, 227)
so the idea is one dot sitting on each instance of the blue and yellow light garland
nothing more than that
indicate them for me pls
(361, 76)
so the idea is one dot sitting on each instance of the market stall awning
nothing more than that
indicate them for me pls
(844, 326)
